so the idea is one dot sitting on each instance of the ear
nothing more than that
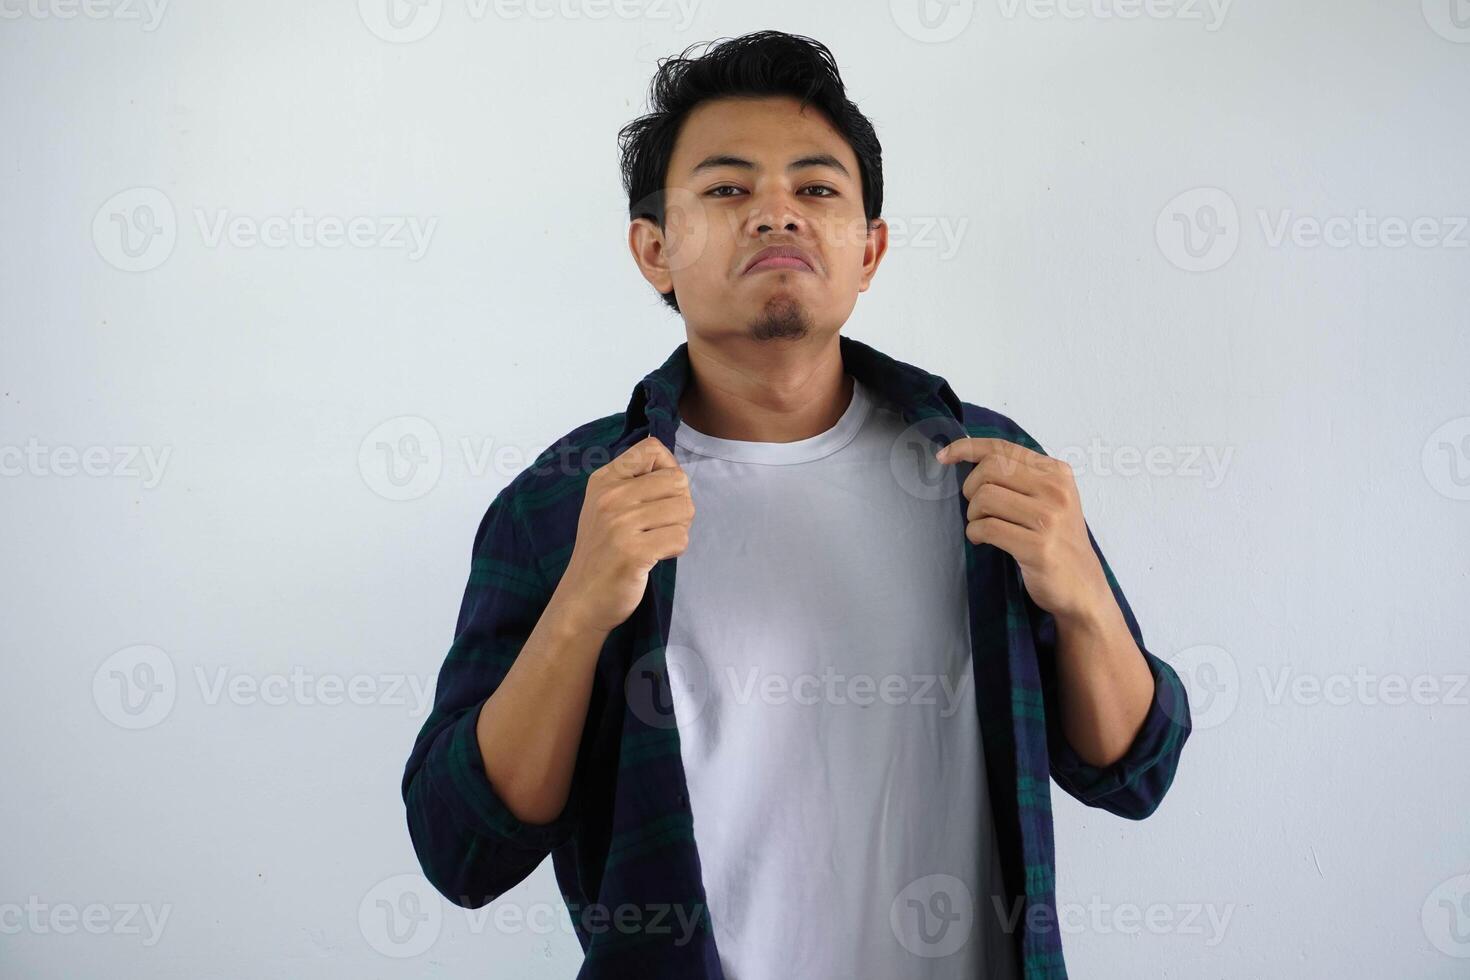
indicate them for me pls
(873, 251)
(646, 242)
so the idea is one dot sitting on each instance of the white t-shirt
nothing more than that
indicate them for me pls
(820, 666)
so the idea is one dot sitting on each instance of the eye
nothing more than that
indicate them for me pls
(830, 191)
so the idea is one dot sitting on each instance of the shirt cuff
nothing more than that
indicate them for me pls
(1153, 751)
(456, 773)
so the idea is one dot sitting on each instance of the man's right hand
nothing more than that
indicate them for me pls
(637, 510)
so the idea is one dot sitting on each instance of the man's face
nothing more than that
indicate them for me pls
(747, 173)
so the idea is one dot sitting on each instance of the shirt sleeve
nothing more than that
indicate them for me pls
(470, 846)
(1134, 785)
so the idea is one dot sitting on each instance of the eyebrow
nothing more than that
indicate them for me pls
(814, 160)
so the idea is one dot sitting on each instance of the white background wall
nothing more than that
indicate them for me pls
(1297, 543)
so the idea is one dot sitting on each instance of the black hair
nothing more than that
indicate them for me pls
(764, 63)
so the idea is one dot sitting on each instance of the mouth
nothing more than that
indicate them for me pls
(778, 263)
(780, 257)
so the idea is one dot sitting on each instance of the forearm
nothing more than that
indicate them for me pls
(530, 727)
(1105, 684)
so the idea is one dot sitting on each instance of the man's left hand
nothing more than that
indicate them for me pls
(1026, 504)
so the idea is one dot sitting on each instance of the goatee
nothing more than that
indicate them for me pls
(783, 318)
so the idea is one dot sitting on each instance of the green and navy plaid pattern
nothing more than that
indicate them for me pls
(623, 849)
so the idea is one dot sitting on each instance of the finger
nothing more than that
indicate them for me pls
(999, 456)
(642, 457)
(657, 484)
(973, 448)
(1015, 540)
(1018, 475)
(666, 542)
(663, 513)
(662, 458)
(995, 500)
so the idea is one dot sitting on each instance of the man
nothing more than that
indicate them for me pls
(826, 753)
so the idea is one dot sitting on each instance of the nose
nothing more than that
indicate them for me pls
(772, 208)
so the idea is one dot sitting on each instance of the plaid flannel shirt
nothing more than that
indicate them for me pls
(623, 848)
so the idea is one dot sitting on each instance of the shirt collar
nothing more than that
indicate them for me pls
(914, 392)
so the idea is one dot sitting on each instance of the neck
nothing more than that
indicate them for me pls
(765, 391)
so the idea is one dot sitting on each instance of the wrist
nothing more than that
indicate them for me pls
(1097, 618)
(570, 622)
